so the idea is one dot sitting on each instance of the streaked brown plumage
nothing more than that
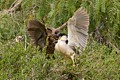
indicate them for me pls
(52, 39)
(37, 33)
(76, 40)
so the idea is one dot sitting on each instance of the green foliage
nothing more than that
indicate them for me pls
(5, 4)
(11, 26)
(98, 62)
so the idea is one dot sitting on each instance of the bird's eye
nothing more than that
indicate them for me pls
(56, 32)
(66, 41)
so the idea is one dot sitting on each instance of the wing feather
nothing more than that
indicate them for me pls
(78, 29)
(37, 32)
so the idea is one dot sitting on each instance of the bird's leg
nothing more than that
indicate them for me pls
(73, 59)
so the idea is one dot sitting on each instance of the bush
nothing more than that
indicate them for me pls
(100, 59)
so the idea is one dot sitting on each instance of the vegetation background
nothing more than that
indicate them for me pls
(99, 61)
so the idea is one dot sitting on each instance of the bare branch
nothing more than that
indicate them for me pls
(14, 6)
(61, 27)
(52, 31)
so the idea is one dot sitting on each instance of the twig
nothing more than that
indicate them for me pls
(61, 27)
(114, 47)
(14, 6)
(25, 47)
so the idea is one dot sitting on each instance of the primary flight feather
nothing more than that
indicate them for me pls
(37, 33)
(77, 35)
(68, 45)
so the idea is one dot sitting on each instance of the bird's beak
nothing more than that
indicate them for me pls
(61, 34)
(58, 34)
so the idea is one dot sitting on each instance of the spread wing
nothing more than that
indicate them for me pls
(78, 29)
(37, 33)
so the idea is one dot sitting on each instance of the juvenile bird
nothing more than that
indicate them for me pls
(37, 33)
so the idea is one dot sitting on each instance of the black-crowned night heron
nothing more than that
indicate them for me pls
(77, 35)
(68, 45)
